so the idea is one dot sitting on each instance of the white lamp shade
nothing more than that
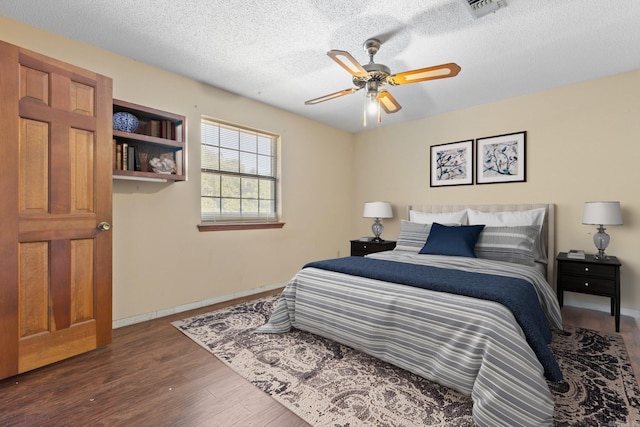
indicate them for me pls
(602, 213)
(377, 210)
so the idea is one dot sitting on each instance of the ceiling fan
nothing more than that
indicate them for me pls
(373, 77)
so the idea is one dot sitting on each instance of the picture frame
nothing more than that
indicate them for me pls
(501, 158)
(452, 164)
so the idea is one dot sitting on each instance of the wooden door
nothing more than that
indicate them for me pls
(55, 188)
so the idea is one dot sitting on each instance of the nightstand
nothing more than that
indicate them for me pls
(361, 248)
(591, 276)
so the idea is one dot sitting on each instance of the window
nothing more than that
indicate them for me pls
(238, 174)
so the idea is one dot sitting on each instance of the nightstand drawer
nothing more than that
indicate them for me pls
(588, 285)
(605, 271)
(362, 248)
(359, 253)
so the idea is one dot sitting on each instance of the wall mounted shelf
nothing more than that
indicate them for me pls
(160, 135)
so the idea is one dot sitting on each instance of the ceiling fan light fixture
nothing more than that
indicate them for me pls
(372, 105)
(372, 109)
(374, 76)
(372, 89)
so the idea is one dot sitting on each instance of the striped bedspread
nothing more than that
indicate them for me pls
(546, 296)
(471, 345)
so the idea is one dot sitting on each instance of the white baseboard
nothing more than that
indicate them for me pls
(606, 308)
(186, 307)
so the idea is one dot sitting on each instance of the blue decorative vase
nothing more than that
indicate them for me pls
(125, 122)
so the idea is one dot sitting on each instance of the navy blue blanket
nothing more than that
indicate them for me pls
(517, 295)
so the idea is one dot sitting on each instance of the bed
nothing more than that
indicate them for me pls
(478, 325)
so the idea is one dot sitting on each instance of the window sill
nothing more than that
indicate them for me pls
(240, 226)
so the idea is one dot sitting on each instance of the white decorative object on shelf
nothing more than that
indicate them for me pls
(165, 166)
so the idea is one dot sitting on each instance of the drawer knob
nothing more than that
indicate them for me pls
(586, 284)
(364, 246)
(586, 269)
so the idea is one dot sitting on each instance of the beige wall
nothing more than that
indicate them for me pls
(583, 144)
(160, 260)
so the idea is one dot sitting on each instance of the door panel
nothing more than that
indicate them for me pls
(34, 289)
(55, 266)
(81, 153)
(34, 84)
(34, 167)
(40, 350)
(82, 280)
(82, 99)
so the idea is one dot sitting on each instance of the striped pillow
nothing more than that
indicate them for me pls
(510, 244)
(513, 219)
(412, 236)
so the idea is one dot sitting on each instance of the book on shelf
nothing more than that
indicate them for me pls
(167, 130)
(143, 127)
(125, 156)
(179, 132)
(155, 128)
(119, 156)
(115, 154)
(575, 254)
(131, 158)
(137, 164)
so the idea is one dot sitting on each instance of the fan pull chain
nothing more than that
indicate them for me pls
(364, 112)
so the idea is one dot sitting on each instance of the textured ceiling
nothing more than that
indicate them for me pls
(275, 51)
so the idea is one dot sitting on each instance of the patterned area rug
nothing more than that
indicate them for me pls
(328, 384)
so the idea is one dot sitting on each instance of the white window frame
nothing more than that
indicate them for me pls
(221, 161)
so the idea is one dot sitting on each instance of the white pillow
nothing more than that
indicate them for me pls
(513, 219)
(456, 218)
(506, 219)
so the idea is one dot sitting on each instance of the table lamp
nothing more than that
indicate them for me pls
(377, 210)
(601, 214)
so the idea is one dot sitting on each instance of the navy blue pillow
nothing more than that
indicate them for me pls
(455, 240)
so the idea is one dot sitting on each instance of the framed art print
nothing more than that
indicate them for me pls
(452, 164)
(501, 158)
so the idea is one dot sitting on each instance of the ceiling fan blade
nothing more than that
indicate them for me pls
(388, 102)
(332, 96)
(348, 62)
(420, 75)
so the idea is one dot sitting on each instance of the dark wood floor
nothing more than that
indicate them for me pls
(153, 375)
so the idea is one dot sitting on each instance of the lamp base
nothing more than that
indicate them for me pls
(601, 240)
(377, 228)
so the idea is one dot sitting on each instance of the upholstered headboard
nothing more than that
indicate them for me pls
(548, 227)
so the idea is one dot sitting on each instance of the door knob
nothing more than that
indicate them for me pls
(104, 226)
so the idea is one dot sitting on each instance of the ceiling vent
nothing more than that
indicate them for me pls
(480, 8)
